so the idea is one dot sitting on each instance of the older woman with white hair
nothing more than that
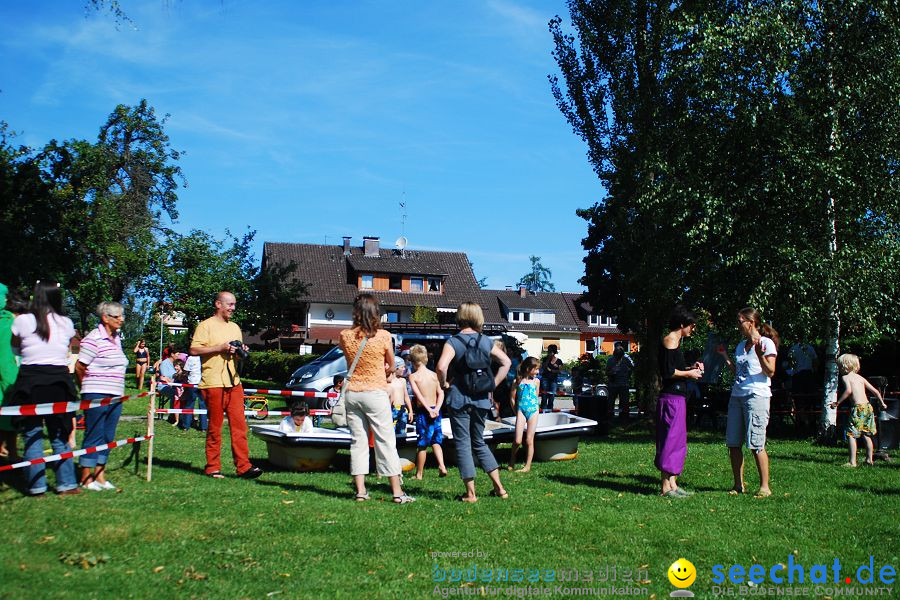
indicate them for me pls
(101, 371)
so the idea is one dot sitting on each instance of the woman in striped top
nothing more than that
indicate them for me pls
(101, 371)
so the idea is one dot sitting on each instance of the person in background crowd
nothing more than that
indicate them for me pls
(367, 401)
(141, 362)
(164, 372)
(469, 409)
(748, 408)
(101, 370)
(671, 408)
(619, 367)
(168, 351)
(221, 387)
(550, 369)
(401, 406)
(803, 363)
(192, 395)
(9, 369)
(501, 393)
(42, 337)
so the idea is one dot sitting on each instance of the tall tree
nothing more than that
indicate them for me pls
(749, 151)
(91, 214)
(198, 266)
(539, 278)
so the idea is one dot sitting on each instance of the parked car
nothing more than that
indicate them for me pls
(318, 375)
(564, 384)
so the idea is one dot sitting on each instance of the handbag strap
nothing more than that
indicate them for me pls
(356, 359)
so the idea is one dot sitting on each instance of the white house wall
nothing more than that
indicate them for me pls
(569, 347)
(343, 315)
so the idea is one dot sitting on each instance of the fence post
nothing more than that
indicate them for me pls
(151, 420)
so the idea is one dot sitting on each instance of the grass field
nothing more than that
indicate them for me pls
(293, 535)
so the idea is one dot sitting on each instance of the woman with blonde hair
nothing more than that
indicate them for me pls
(464, 370)
(366, 398)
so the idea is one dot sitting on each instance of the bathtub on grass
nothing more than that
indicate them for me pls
(556, 437)
(315, 451)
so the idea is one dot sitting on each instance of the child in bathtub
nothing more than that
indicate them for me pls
(525, 399)
(299, 421)
(429, 398)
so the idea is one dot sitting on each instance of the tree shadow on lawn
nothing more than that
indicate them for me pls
(645, 485)
(636, 484)
(871, 490)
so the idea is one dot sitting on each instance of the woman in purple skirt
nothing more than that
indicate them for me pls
(671, 409)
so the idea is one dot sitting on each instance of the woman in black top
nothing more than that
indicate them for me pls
(671, 408)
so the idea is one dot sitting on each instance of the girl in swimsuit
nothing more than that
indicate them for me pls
(525, 398)
(142, 359)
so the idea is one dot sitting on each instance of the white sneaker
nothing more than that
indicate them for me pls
(94, 486)
(107, 485)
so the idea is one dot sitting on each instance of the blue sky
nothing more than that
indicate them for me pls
(309, 120)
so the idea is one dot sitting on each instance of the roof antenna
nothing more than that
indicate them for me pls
(403, 213)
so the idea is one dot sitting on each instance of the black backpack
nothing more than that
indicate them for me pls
(474, 376)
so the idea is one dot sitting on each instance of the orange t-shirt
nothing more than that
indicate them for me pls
(370, 371)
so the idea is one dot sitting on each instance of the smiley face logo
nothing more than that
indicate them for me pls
(682, 573)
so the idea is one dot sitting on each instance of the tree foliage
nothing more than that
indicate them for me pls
(539, 278)
(90, 213)
(749, 151)
(197, 266)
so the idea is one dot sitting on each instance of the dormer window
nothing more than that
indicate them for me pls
(600, 321)
(521, 317)
(434, 285)
(367, 282)
(417, 285)
(395, 282)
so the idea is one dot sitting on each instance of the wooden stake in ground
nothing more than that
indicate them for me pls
(151, 420)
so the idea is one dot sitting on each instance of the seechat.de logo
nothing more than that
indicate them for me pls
(682, 574)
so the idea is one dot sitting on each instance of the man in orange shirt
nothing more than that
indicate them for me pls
(221, 387)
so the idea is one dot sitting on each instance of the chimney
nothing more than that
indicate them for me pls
(346, 245)
(370, 245)
(523, 291)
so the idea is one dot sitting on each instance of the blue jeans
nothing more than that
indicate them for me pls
(548, 394)
(187, 401)
(58, 429)
(467, 425)
(99, 428)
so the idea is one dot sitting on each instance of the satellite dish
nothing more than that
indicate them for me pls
(401, 242)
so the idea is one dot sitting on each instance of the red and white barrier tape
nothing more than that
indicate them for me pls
(53, 408)
(73, 453)
(202, 411)
(265, 392)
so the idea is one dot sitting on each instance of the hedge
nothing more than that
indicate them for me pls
(273, 365)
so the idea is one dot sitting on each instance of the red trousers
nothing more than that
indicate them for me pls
(219, 402)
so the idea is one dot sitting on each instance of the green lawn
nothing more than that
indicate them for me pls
(292, 535)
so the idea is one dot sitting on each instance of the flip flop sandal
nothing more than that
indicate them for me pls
(216, 475)
(736, 491)
(404, 499)
(504, 494)
(464, 498)
(762, 494)
(362, 497)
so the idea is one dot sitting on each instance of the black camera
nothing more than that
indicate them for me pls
(239, 348)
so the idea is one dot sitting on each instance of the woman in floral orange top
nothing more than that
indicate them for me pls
(367, 401)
